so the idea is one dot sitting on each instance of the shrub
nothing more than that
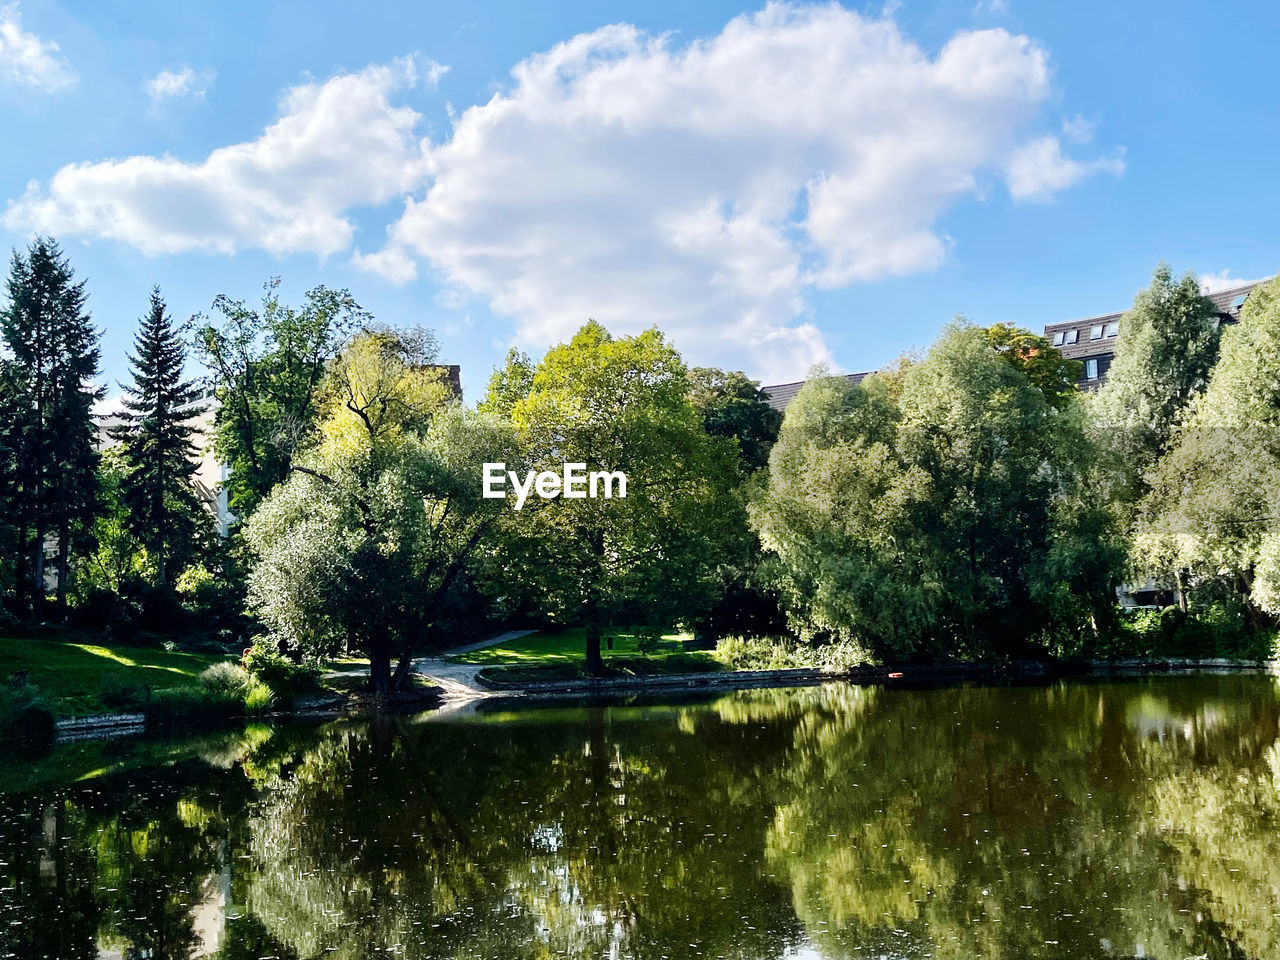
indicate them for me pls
(743, 653)
(279, 673)
(120, 693)
(26, 717)
(258, 699)
(226, 678)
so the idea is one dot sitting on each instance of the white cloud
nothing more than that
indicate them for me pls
(172, 84)
(27, 60)
(337, 145)
(992, 7)
(1222, 280)
(1039, 170)
(706, 188)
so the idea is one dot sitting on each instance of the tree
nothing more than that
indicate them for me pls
(268, 364)
(1211, 506)
(54, 358)
(619, 404)
(733, 405)
(1054, 375)
(1169, 343)
(361, 545)
(155, 432)
(919, 512)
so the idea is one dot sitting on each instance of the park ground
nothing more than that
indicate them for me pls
(561, 655)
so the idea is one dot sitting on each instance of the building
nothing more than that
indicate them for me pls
(1091, 340)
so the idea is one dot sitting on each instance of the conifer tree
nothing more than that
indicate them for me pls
(54, 355)
(155, 433)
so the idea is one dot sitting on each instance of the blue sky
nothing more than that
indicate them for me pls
(771, 185)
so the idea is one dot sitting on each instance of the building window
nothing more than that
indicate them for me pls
(1073, 336)
(1059, 338)
(1091, 369)
(1095, 332)
(1112, 329)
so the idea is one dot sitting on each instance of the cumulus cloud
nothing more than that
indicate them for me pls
(27, 60)
(174, 84)
(707, 188)
(1039, 170)
(1222, 280)
(337, 145)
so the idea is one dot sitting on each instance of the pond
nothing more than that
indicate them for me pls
(1074, 820)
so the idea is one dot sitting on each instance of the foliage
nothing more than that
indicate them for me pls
(759, 653)
(1168, 345)
(733, 405)
(160, 507)
(1054, 375)
(265, 665)
(1211, 506)
(269, 363)
(618, 404)
(25, 715)
(357, 549)
(118, 555)
(52, 360)
(929, 510)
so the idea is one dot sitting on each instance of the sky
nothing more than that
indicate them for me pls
(772, 186)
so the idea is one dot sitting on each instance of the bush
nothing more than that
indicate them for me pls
(226, 679)
(743, 653)
(258, 699)
(120, 693)
(26, 718)
(281, 674)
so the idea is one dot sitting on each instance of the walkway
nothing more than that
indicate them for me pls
(458, 680)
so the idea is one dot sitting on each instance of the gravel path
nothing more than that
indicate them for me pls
(458, 680)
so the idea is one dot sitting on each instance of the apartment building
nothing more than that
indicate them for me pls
(1091, 340)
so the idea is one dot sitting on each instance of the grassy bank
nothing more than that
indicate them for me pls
(561, 655)
(79, 679)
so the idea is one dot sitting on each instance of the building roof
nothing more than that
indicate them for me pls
(780, 394)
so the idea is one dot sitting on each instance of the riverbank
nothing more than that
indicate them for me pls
(488, 682)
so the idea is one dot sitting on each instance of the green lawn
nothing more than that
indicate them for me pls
(561, 655)
(73, 676)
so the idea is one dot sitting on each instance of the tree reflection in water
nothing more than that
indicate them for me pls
(1075, 820)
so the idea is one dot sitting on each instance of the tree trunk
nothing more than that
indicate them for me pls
(1182, 589)
(402, 671)
(595, 663)
(380, 663)
(64, 565)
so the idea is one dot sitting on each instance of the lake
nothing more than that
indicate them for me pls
(1073, 820)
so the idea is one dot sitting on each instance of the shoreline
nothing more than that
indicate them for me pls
(69, 729)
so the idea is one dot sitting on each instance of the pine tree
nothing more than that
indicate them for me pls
(54, 358)
(155, 433)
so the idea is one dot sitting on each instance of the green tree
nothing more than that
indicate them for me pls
(1211, 507)
(361, 545)
(733, 405)
(53, 347)
(155, 433)
(1168, 345)
(619, 404)
(922, 511)
(269, 363)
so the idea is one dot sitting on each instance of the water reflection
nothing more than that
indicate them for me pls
(1071, 821)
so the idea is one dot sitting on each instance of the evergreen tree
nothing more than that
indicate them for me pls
(54, 358)
(163, 511)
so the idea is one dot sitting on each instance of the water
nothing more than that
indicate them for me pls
(1082, 820)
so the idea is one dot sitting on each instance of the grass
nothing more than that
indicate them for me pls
(75, 676)
(561, 655)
